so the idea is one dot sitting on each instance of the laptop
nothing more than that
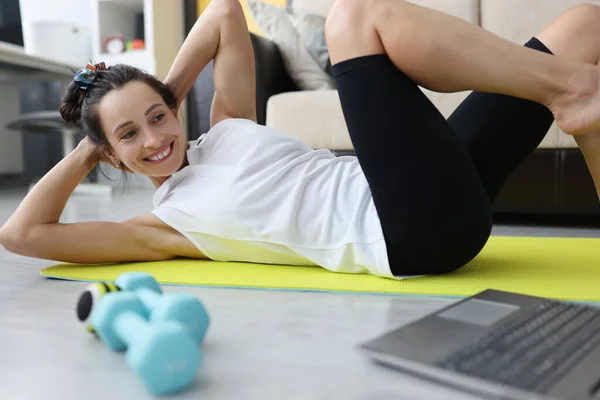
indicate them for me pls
(504, 345)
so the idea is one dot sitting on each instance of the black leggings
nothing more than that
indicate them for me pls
(433, 180)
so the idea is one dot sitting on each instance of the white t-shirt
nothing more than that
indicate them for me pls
(251, 193)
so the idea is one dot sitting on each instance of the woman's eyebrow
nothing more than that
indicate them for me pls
(152, 107)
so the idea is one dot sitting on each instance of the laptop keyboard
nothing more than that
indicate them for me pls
(534, 352)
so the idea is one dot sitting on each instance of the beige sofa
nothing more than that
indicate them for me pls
(515, 20)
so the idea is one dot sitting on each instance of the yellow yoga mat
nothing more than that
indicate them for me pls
(560, 268)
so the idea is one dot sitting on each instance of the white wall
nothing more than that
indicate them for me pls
(73, 46)
(77, 12)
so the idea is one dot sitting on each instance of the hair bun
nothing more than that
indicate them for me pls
(72, 101)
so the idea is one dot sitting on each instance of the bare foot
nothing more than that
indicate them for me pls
(578, 111)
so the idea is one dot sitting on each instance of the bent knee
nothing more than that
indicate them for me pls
(350, 30)
(574, 34)
(344, 14)
(579, 19)
(583, 17)
(586, 10)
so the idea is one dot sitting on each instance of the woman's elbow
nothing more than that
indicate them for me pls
(230, 8)
(13, 241)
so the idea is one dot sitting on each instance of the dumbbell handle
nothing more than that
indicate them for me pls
(190, 312)
(149, 297)
(130, 326)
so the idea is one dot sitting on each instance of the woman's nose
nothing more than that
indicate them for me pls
(151, 139)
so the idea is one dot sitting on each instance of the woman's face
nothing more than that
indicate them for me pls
(143, 132)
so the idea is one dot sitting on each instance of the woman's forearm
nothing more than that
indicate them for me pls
(199, 48)
(46, 201)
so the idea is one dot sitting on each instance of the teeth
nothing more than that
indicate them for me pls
(161, 155)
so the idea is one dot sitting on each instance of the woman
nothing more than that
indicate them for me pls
(417, 198)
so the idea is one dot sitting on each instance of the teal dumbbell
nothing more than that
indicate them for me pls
(162, 354)
(181, 307)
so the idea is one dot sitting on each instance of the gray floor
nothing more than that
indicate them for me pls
(261, 344)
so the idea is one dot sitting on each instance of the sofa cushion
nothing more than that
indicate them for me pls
(518, 20)
(252, 27)
(325, 127)
(278, 25)
(320, 7)
(315, 117)
(466, 9)
(311, 29)
(565, 141)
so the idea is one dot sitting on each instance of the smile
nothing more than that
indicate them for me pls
(162, 155)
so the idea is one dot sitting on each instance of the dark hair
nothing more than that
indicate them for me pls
(80, 106)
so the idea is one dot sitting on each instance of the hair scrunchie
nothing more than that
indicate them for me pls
(85, 77)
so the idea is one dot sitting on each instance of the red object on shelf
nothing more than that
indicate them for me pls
(138, 44)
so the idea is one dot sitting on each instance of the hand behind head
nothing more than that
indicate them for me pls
(94, 153)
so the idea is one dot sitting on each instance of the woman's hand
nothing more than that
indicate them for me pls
(91, 152)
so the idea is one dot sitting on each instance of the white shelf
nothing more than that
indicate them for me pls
(162, 32)
(131, 4)
(118, 19)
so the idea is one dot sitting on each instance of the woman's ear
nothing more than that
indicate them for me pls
(113, 159)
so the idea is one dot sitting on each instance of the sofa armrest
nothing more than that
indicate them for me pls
(271, 75)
